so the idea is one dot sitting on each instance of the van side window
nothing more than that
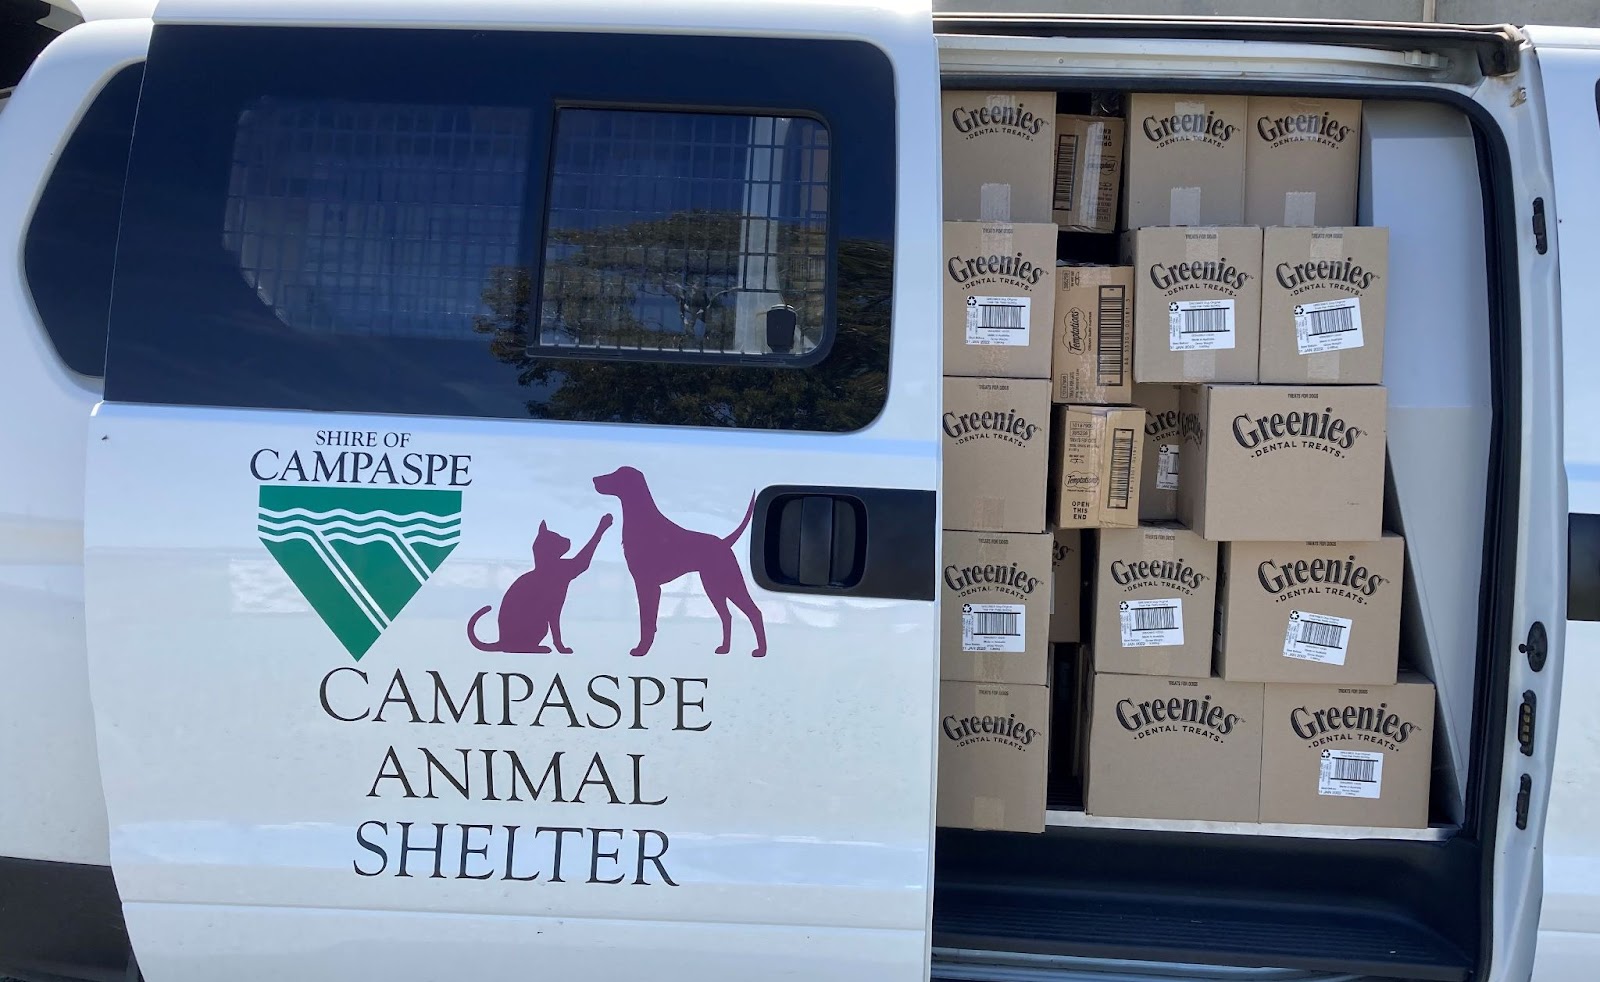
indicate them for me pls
(674, 232)
(509, 224)
(72, 236)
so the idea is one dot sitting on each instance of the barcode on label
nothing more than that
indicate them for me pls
(1334, 320)
(1121, 486)
(1007, 317)
(1112, 337)
(1066, 167)
(1002, 624)
(1321, 635)
(1154, 618)
(1345, 769)
(1203, 321)
(1167, 467)
(1313, 637)
(1350, 774)
(1151, 623)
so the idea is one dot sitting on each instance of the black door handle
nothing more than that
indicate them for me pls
(863, 542)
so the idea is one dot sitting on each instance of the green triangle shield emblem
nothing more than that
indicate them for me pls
(358, 555)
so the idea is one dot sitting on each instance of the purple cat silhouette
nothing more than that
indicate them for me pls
(659, 550)
(532, 606)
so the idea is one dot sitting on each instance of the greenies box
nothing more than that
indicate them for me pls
(1324, 612)
(1348, 755)
(1092, 358)
(1154, 590)
(1088, 172)
(1094, 466)
(1184, 162)
(1281, 463)
(1066, 617)
(996, 453)
(997, 152)
(1177, 748)
(994, 752)
(994, 607)
(1302, 156)
(1196, 304)
(1163, 450)
(1324, 299)
(999, 299)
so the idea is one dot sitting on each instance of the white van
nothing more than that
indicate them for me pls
(317, 317)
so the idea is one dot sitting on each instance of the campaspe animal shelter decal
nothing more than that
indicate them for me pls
(359, 522)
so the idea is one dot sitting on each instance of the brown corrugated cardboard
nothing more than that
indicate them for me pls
(998, 155)
(999, 299)
(996, 454)
(1301, 161)
(1155, 599)
(1324, 296)
(1174, 748)
(1276, 463)
(1088, 172)
(1185, 160)
(1094, 466)
(994, 607)
(1345, 755)
(1196, 304)
(1163, 451)
(994, 749)
(1092, 359)
(1321, 612)
(1066, 618)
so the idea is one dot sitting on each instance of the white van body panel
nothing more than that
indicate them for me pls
(1569, 925)
(44, 703)
(800, 821)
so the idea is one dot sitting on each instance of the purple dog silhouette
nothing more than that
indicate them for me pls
(532, 606)
(659, 551)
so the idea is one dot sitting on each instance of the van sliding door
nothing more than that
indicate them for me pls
(506, 549)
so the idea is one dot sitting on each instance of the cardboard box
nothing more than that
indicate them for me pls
(1302, 160)
(1155, 600)
(1320, 612)
(1088, 172)
(996, 454)
(1092, 358)
(1344, 755)
(1278, 463)
(1185, 160)
(1324, 299)
(999, 299)
(1066, 617)
(1163, 451)
(995, 607)
(998, 155)
(994, 750)
(1174, 748)
(1095, 463)
(1196, 304)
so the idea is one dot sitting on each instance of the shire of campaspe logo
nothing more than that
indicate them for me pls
(659, 551)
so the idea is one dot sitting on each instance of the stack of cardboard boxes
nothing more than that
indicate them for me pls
(1219, 523)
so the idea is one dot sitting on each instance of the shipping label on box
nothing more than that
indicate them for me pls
(1092, 360)
(1319, 612)
(1348, 755)
(998, 155)
(1197, 304)
(1324, 297)
(1154, 590)
(999, 299)
(1185, 160)
(1303, 157)
(1066, 617)
(1280, 463)
(1096, 459)
(994, 752)
(1088, 172)
(1163, 451)
(1174, 748)
(996, 454)
(995, 607)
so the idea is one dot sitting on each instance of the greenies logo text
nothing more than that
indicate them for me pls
(359, 522)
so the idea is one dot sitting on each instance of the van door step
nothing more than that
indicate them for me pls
(1193, 930)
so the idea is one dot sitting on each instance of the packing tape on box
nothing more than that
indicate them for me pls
(1093, 159)
(989, 510)
(1300, 208)
(994, 202)
(1326, 244)
(1161, 545)
(1184, 207)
